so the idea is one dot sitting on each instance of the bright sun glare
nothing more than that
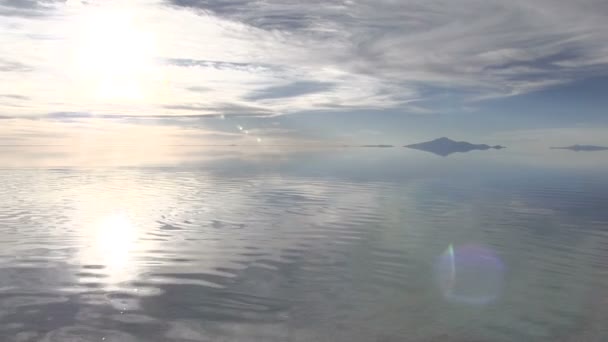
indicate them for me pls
(114, 239)
(114, 57)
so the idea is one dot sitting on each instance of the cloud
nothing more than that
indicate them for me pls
(185, 62)
(267, 58)
(295, 15)
(198, 89)
(291, 90)
(13, 66)
(227, 109)
(26, 8)
(80, 130)
(495, 47)
(13, 97)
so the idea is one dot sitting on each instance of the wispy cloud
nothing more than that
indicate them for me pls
(226, 109)
(87, 131)
(27, 8)
(80, 131)
(264, 58)
(13, 97)
(293, 89)
(13, 66)
(459, 43)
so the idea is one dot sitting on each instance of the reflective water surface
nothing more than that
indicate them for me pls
(337, 245)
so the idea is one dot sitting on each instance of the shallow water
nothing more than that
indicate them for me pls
(340, 245)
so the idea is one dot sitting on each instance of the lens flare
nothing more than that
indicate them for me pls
(470, 274)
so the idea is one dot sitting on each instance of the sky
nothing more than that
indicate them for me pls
(181, 72)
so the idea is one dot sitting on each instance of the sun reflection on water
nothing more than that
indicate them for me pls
(113, 240)
(116, 237)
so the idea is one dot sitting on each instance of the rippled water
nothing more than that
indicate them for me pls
(324, 246)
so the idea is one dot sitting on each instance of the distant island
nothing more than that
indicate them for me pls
(377, 146)
(445, 146)
(579, 148)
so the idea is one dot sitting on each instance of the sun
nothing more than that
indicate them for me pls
(113, 56)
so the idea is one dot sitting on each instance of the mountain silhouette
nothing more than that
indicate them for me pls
(445, 146)
(578, 148)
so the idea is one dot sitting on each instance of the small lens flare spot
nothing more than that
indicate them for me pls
(470, 274)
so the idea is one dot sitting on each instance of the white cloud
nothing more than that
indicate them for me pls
(207, 54)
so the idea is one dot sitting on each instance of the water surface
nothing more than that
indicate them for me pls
(337, 245)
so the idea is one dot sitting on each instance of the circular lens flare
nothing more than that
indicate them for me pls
(470, 274)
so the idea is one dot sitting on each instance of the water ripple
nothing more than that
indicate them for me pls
(193, 255)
